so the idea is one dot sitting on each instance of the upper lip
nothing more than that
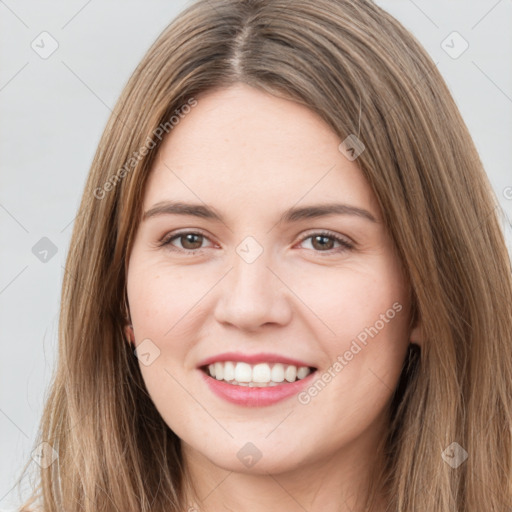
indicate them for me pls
(262, 357)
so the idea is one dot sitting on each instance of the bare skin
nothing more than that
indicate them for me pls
(250, 156)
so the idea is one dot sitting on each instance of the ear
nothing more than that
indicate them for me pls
(416, 337)
(129, 334)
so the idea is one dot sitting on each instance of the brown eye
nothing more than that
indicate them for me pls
(189, 241)
(322, 242)
(326, 242)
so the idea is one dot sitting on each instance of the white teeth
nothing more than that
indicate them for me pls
(278, 372)
(259, 375)
(290, 373)
(229, 371)
(243, 372)
(219, 371)
(302, 372)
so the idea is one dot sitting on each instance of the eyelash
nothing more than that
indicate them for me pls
(345, 245)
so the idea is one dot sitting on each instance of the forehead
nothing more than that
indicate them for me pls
(242, 147)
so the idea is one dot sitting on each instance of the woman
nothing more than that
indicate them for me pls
(287, 287)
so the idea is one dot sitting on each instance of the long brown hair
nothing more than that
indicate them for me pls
(360, 70)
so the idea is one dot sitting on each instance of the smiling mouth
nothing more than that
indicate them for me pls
(256, 375)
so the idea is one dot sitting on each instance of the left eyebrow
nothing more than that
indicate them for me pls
(322, 210)
(294, 214)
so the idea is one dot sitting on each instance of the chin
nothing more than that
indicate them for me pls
(273, 464)
(254, 458)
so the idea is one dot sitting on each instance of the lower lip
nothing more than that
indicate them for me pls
(255, 397)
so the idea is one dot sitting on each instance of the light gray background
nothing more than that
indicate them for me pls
(53, 112)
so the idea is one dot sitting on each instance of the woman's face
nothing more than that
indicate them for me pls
(259, 282)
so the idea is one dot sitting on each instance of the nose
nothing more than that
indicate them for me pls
(253, 295)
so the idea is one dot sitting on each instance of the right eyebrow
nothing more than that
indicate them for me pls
(178, 208)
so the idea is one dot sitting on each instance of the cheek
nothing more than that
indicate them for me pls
(368, 311)
(343, 302)
(162, 299)
(164, 319)
(363, 334)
